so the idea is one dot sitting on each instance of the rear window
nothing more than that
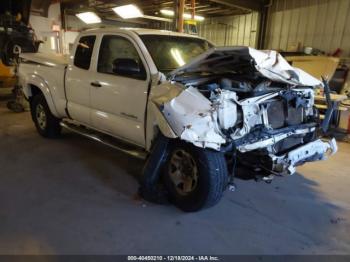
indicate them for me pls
(84, 50)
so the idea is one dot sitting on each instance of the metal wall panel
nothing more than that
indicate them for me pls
(231, 30)
(321, 24)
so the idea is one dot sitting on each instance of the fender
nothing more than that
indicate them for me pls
(156, 123)
(162, 123)
(35, 80)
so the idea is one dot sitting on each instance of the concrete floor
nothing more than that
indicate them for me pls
(74, 196)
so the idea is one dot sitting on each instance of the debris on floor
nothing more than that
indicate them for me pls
(337, 220)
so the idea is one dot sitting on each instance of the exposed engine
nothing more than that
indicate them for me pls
(228, 102)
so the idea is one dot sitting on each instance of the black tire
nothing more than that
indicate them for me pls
(212, 178)
(25, 44)
(51, 128)
(151, 188)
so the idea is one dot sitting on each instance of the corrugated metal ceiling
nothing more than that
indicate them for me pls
(207, 8)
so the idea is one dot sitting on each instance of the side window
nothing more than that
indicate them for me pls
(119, 56)
(84, 50)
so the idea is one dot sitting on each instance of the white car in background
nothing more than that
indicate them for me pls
(193, 110)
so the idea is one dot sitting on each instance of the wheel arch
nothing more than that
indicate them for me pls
(36, 87)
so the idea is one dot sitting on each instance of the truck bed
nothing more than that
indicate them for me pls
(48, 72)
(46, 59)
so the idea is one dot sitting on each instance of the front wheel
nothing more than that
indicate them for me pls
(195, 178)
(45, 122)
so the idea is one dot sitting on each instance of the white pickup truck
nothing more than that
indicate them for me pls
(192, 109)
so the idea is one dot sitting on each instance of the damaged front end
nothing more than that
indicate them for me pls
(246, 101)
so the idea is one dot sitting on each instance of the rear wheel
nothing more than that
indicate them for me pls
(195, 178)
(45, 122)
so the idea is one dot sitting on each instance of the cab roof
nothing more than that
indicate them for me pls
(139, 31)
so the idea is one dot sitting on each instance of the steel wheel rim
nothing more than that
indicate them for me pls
(40, 116)
(183, 172)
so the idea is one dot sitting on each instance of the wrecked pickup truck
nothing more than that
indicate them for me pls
(193, 110)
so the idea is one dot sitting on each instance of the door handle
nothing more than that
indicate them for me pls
(96, 84)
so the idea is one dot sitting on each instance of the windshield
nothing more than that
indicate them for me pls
(171, 52)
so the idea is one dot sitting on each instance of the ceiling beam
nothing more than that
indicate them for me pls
(151, 17)
(251, 5)
(208, 9)
(110, 19)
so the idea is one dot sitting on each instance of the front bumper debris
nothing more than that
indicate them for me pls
(313, 151)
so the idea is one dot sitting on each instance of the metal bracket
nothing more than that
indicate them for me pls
(331, 106)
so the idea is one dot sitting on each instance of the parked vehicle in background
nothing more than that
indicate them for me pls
(14, 34)
(192, 109)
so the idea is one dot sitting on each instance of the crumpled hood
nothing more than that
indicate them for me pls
(268, 63)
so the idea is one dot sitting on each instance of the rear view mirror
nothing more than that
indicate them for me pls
(128, 67)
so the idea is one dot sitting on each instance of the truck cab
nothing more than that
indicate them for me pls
(107, 80)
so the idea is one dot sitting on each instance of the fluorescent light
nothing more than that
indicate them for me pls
(89, 18)
(199, 18)
(167, 12)
(186, 15)
(196, 17)
(128, 11)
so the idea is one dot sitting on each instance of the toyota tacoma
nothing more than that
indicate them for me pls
(191, 109)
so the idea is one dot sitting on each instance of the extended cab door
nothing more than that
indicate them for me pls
(78, 80)
(119, 98)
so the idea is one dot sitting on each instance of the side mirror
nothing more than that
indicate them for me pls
(128, 67)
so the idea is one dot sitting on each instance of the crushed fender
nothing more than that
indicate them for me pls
(193, 119)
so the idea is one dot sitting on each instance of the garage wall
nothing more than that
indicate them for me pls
(321, 24)
(231, 30)
(43, 28)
